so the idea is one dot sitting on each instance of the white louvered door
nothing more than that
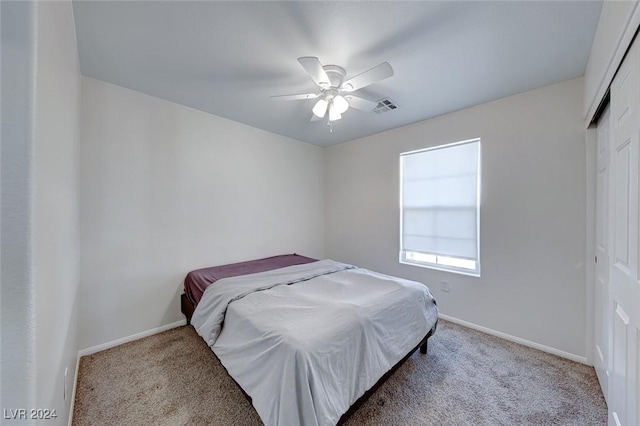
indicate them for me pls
(624, 214)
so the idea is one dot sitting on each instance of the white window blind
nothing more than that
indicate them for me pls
(440, 207)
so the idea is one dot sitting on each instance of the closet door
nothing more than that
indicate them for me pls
(625, 257)
(601, 288)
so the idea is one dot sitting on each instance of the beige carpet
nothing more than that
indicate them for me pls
(467, 378)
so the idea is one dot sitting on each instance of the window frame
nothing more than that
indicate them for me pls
(438, 266)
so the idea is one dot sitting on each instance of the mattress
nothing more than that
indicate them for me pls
(196, 282)
(306, 341)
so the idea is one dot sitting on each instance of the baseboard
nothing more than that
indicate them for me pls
(505, 336)
(123, 340)
(114, 343)
(73, 391)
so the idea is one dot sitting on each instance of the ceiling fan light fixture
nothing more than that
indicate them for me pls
(341, 104)
(320, 108)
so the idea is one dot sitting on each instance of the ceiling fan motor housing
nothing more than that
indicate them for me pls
(336, 75)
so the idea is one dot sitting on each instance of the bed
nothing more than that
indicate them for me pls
(307, 340)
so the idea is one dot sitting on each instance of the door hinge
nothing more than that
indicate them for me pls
(596, 259)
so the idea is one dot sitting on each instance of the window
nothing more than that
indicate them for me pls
(440, 207)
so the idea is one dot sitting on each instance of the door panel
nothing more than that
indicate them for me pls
(619, 368)
(624, 219)
(621, 224)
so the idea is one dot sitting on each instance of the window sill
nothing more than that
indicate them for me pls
(442, 268)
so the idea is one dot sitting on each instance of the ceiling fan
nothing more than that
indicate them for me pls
(335, 95)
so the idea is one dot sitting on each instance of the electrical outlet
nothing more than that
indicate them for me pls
(444, 286)
(66, 377)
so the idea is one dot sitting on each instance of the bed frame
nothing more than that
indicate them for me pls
(187, 308)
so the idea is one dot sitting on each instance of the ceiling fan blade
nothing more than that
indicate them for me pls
(368, 77)
(313, 66)
(361, 104)
(315, 118)
(295, 97)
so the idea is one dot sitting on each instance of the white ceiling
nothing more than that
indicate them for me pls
(227, 58)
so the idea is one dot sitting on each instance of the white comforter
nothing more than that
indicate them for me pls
(305, 352)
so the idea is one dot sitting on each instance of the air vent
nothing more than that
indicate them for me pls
(385, 105)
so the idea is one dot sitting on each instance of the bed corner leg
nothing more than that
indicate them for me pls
(187, 308)
(423, 346)
(425, 342)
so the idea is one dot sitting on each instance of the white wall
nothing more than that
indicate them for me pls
(166, 189)
(40, 137)
(17, 291)
(617, 25)
(55, 205)
(532, 213)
